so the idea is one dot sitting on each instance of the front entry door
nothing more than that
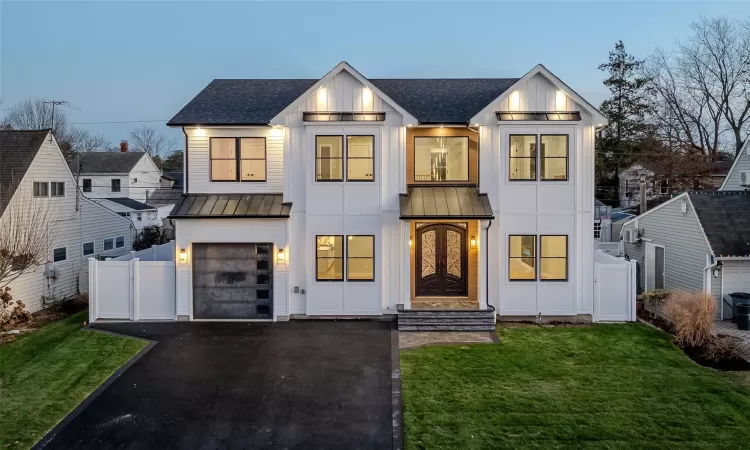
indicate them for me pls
(441, 260)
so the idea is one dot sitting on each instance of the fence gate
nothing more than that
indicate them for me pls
(614, 288)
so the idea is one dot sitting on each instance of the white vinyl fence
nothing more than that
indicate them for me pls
(163, 252)
(131, 290)
(614, 288)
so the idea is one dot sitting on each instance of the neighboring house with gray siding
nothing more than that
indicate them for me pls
(733, 180)
(697, 241)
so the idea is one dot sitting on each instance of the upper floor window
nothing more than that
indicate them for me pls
(359, 158)
(41, 189)
(87, 185)
(58, 189)
(441, 158)
(552, 156)
(115, 185)
(329, 158)
(238, 159)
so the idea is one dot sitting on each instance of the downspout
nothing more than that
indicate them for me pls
(487, 265)
(185, 162)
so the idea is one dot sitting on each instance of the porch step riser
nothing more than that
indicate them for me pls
(446, 327)
(456, 315)
(447, 322)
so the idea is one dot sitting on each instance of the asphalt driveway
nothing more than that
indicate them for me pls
(304, 384)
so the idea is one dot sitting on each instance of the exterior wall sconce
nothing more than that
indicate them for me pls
(183, 254)
(280, 255)
(410, 242)
(473, 242)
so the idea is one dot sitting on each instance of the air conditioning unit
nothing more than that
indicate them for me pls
(744, 177)
(630, 236)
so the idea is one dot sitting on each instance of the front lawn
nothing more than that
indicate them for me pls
(47, 373)
(607, 386)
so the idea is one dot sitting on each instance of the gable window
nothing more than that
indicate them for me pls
(522, 162)
(329, 260)
(359, 158)
(253, 159)
(115, 185)
(553, 259)
(88, 248)
(87, 185)
(554, 157)
(238, 159)
(360, 258)
(59, 254)
(522, 257)
(109, 244)
(329, 158)
(441, 158)
(120, 242)
(41, 189)
(57, 189)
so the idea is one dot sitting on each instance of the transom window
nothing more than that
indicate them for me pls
(552, 258)
(238, 159)
(441, 158)
(550, 149)
(360, 257)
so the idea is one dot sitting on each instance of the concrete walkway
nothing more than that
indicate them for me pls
(729, 328)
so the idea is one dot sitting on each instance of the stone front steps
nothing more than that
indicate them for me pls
(446, 320)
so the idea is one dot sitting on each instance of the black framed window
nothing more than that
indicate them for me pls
(223, 153)
(59, 254)
(57, 189)
(522, 162)
(329, 158)
(109, 244)
(329, 259)
(88, 248)
(87, 185)
(522, 257)
(253, 159)
(360, 258)
(115, 185)
(360, 158)
(553, 259)
(441, 158)
(553, 157)
(120, 242)
(41, 189)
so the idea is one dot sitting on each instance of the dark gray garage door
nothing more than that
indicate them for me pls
(232, 281)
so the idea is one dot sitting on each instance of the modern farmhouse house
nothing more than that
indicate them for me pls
(348, 196)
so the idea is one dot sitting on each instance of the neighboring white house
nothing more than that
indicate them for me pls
(352, 196)
(738, 177)
(141, 214)
(121, 174)
(33, 172)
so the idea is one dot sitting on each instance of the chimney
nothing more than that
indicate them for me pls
(124, 146)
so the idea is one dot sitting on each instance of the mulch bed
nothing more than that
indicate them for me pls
(697, 354)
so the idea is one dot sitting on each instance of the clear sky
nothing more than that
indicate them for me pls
(134, 61)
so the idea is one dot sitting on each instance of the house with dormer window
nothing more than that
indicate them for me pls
(350, 196)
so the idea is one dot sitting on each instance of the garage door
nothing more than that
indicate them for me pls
(232, 281)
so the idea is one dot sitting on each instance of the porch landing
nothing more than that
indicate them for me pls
(441, 303)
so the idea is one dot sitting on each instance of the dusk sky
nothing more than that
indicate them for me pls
(137, 61)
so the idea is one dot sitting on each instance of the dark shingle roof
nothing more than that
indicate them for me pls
(256, 102)
(165, 196)
(130, 203)
(444, 100)
(107, 162)
(240, 102)
(725, 217)
(177, 177)
(232, 206)
(17, 150)
(444, 202)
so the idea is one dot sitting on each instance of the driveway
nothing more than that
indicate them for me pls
(302, 384)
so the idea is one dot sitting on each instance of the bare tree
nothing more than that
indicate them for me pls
(702, 90)
(148, 140)
(83, 141)
(36, 114)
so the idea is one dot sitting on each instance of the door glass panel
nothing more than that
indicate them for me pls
(428, 253)
(453, 253)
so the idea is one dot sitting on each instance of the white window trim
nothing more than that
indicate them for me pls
(123, 241)
(40, 196)
(83, 252)
(58, 248)
(104, 245)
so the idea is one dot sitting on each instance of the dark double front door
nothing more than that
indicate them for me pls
(441, 260)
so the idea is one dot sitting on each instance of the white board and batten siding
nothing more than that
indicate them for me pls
(562, 207)
(236, 230)
(69, 228)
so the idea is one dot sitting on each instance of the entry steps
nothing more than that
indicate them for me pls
(446, 320)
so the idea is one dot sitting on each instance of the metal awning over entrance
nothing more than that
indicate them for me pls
(201, 206)
(445, 202)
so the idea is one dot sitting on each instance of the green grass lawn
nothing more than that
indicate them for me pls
(607, 386)
(46, 374)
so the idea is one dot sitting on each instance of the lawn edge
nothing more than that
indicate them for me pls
(397, 415)
(42, 443)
